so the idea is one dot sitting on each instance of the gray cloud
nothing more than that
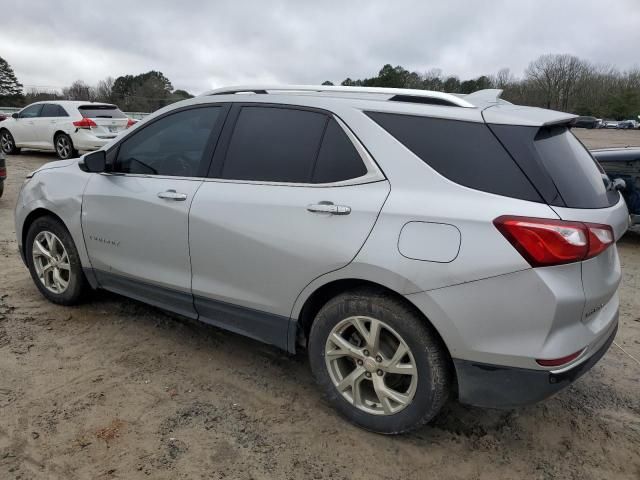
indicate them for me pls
(203, 44)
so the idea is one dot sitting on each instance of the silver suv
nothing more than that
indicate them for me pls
(419, 245)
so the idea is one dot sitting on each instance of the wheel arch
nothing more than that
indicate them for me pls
(60, 131)
(4, 128)
(32, 217)
(322, 294)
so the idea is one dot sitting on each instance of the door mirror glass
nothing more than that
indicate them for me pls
(15, 115)
(94, 162)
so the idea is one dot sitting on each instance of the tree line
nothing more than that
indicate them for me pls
(145, 92)
(557, 81)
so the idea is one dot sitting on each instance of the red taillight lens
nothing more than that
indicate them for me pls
(556, 362)
(3, 172)
(600, 237)
(130, 122)
(85, 123)
(545, 242)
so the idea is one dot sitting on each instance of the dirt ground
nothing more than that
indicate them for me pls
(117, 389)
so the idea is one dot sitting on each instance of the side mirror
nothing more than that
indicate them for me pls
(94, 162)
(619, 184)
(15, 115)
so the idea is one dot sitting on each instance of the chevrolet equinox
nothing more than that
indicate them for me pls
(419, 245)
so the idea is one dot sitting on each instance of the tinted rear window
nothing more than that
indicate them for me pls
(274, 144)
(50, 110)
(464, 152)
(560, 167)
(101, 111)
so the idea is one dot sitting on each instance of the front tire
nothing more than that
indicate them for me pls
(7, 143)
(64, 147)
(378, 362)
(54, 262)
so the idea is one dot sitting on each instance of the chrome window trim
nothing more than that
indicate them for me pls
(145, 175)
(374, 174)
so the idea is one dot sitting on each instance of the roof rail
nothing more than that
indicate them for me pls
(395, 94)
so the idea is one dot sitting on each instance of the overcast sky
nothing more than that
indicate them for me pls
(201, 45)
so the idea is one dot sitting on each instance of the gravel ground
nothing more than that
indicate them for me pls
(117, 389)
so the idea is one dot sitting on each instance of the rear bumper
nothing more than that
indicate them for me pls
(86, 141)
(498, 386)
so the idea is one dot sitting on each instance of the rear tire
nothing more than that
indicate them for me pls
(376, 385)
(64, 146)
(1, 188)
(7, 143)
(54, 262)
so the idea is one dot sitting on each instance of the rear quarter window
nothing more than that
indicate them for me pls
(466, 153)
(338, 159)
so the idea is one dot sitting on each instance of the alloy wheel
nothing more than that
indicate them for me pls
(6, 142)
(63, 146)
(51, 262)
(371, 365)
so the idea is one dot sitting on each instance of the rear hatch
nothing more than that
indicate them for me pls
(570, 181)
(109, 120)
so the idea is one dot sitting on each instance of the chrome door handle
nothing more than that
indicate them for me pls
(329, 207)
(173, 195)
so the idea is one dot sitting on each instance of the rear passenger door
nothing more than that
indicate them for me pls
(51, 117)
(291, 196)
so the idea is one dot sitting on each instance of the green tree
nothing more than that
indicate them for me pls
(145, 92)
(10, 88)
(625, 105)
(327, 83)
(178, 95)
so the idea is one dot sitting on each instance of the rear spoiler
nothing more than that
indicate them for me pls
(507, 114)
(495, 110)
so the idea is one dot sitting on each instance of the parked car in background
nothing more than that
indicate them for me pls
(3, 116)
(65, 127)
(488, 272)
(624, 164)
(627, 124)
(609, 124)
(3, 171)
(585, 122)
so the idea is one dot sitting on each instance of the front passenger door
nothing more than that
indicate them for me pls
(24, 129)
(135, 218)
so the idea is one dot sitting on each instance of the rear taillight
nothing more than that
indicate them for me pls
(3, 172)
(600, 238)
(545, 242)
(85, 123)
(130, 122)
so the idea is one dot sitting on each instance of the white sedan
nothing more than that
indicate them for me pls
(62, 126)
